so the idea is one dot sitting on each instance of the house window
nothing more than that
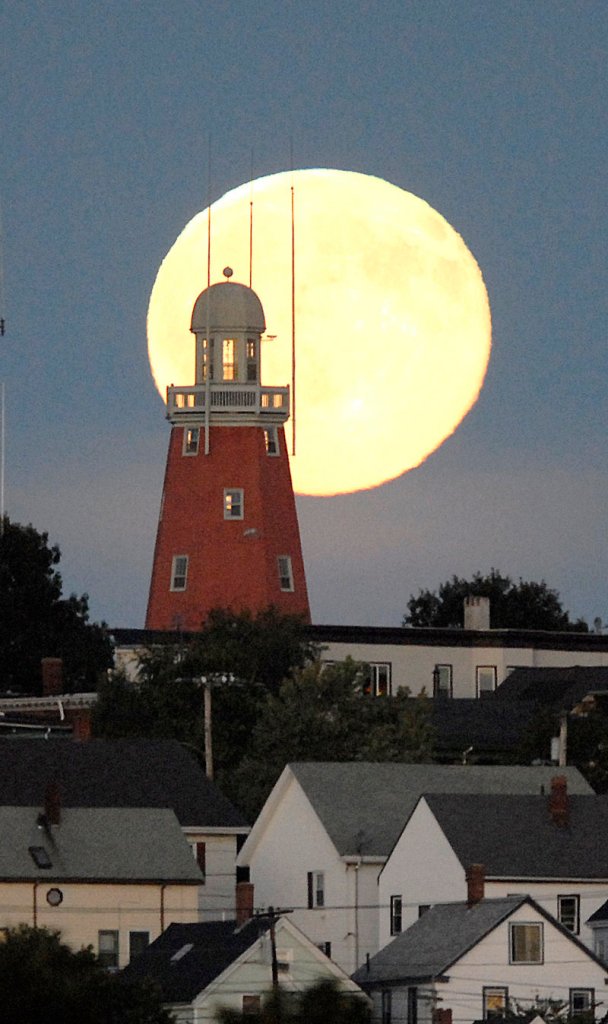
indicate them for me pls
(108, 948)
(526, 944)
(582, 1001)
(378, 680)
(229, 365)
(485, 678)
(191, 436)
(316, 889)
(387, 1006)
(200, 855)
(252, 1006)
(285, 572)
(252, 359)
(271, 441)
(442, 681)
(284, 960)
(138, 942)
(207, 366)
(495, 1002)
(568, 912)
(600, 943)
(179, 572)
(396, 914)
(233, 503)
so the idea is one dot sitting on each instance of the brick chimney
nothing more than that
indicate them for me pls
(52, 804)
(476, 877)
(558, 801)
(52, 676)
(476, 612)
(81, 725)
(244, 903)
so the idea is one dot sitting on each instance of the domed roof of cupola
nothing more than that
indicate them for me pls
(228, 306)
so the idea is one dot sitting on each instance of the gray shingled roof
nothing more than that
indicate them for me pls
(214, 946)
(561, 686)
(364, 805)
(515, 837)
(433, 943)
(134, 844)
(114, 773)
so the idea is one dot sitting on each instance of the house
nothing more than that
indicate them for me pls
(471, 662)
(327, 829)
(202, 967)
(475, 960)
(109, 877)
(546, 846)
(134, 773)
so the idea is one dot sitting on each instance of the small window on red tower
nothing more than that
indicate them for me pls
(191, 436)
(285, 572)
(233, 503)
(271, 441)
(179, 572)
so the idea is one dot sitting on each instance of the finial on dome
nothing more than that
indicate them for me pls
(227, 272)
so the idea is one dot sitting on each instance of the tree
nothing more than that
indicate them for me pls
(322, 714)
(521, 605)
(322, 1003)
(42, 979)
(36, 621)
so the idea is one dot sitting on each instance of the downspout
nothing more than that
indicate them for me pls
(164, 885)
(35, 904)
(357, 866)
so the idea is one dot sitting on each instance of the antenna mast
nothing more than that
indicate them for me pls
(251, 224)
(208, 366)
(293, 309)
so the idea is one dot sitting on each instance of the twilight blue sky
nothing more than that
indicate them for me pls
(493, 112)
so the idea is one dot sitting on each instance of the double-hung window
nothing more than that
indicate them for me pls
(485, 680)
(378, 681)
(568, 912)
(582, 1002)
(285, 572)
(495, 1001)
(442, 681)
(179, 572)
(396, 915)
(108, 948)
(191, 438)
(316, 889)
(233, 503)
(271, 441)
(526, 943)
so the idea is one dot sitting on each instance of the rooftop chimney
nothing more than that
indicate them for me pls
(52, 676)
(52, 804)
(476, 877)
(81, 725)
(558, 801)
(476, 612)
(244, 903)
(442, 1015)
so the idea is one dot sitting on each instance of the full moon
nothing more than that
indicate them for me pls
(392, 320)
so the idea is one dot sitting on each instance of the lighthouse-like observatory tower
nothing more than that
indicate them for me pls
(228, 532)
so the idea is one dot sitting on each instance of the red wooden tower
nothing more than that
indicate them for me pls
(228, 531)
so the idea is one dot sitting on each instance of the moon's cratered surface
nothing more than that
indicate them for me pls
(392, 317)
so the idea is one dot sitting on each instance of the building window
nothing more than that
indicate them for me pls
(200, 855)
(207, 365)
(568, 912)
(138, 942)
(582, 1001)
(495, 1002)
(325, 947)
(191, 436)
(412, 1005)
(316, 889)
(485, 678)
(271, 441)
(252, 360)
(108, 948)
(233, 503)
(387, 1006)
(526, 944)
(229, 365)
(252, 1006)
(378, 679)
(442, 681)
(284, 960)
(179, 572)
(285, 572)
(396, 915)
(600, 943)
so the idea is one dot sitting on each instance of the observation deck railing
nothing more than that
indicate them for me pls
(229, 398)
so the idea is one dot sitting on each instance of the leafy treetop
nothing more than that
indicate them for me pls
(521, 605)
(36, 621)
